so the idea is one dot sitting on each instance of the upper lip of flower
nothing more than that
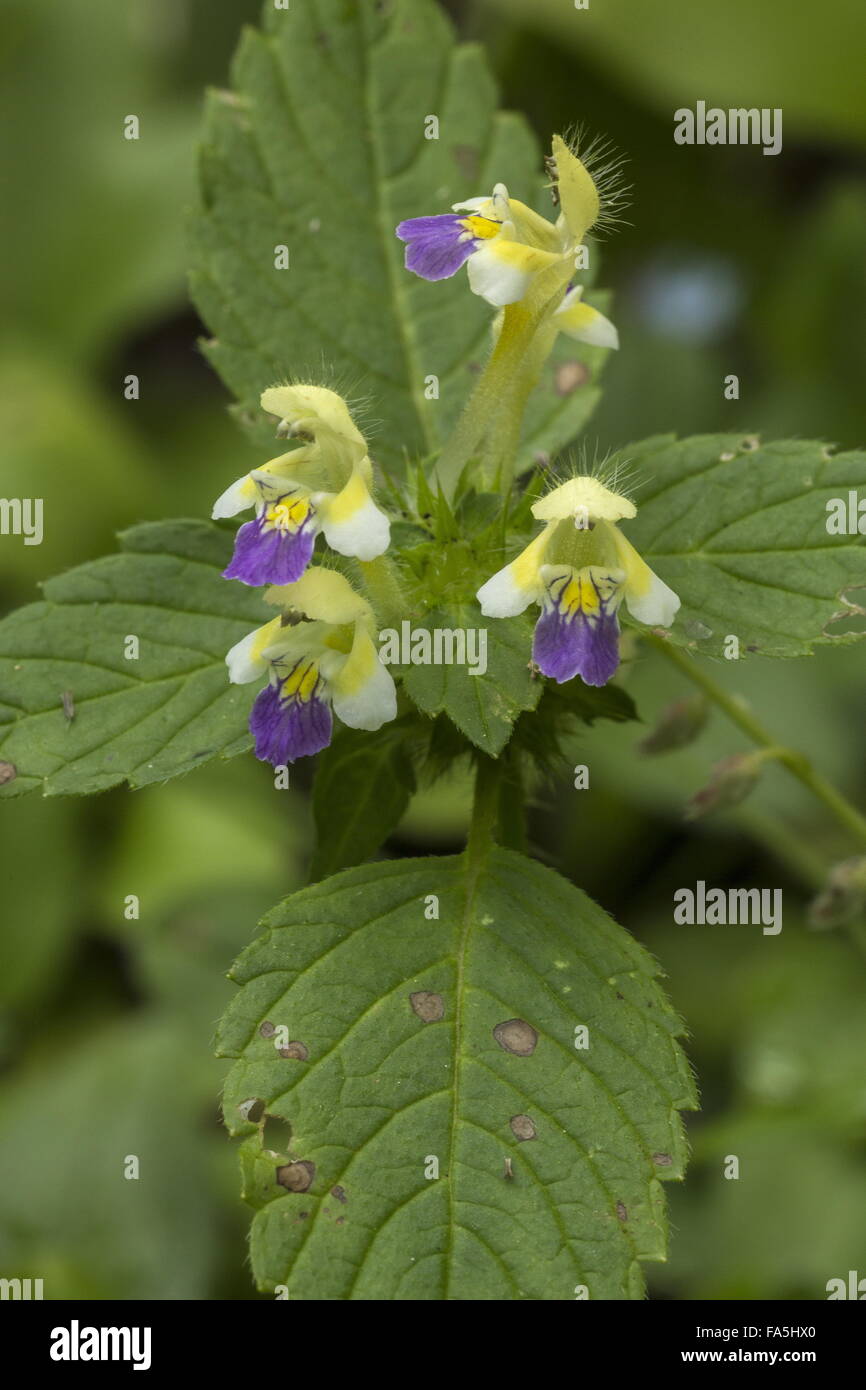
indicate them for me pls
(583, 494)
(329, 481)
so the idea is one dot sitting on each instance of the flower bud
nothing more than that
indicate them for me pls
(843, 897)
(677, 726)
(730, 782)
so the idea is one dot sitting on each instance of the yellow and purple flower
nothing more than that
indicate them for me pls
(324, 484)
(579, 570)
(505, 245)
(319, 655)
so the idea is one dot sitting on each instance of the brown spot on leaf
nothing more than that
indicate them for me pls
(8, 773)
(68, 703)
(663, 1160)
(267, 1030)
(296, 1177)
(294, 1050)
(252, 1109)
(622, 1211)
(568, 376)
(428, 1006)
(522, 1127)
(340, 1194)
(509, 1170)
(517, 1036)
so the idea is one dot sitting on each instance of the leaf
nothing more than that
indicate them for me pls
(485, 706)
(362, 787)
(321, 148)
(350, 967)
(141, 720)
(738, 530)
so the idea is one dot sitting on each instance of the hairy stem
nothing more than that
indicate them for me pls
(489, 427)
(485, 809)
(797, 763)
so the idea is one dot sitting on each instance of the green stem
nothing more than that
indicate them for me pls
(512, 805)
(485, 810)
(797, 763)
(491, 420)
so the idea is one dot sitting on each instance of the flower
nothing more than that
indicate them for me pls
(504, 241)
(322, 485)
(581, 321)
(579, 569)
(327, 662)
(504, 245)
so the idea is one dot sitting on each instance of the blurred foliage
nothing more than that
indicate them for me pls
(733, 262)
(736, 54)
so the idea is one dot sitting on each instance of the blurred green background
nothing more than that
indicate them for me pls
(733, 263)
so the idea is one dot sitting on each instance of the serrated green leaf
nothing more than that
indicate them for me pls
(373, 1093)
(483, 707)
(321, 148)
(738, 530)
(141, 720)
(362, 787)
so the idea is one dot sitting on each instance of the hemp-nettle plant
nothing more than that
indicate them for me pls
(478, 1074)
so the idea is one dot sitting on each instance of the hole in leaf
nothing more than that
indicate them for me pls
(276, 1134)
